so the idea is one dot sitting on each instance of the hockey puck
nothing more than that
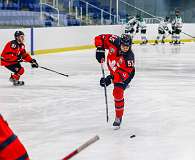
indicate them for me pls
(132, 136)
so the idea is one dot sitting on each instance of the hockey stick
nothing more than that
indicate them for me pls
(83, 146)
(188, 34)
(66, 75)
(105, 91)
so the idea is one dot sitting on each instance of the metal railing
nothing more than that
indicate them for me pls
(87, 12)
(84, 14)
(53, 17)
(154, 19)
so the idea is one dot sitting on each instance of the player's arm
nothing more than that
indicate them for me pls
(126, 66)
(27, 58)
(125, 69)
(137, 28)
(102, 43)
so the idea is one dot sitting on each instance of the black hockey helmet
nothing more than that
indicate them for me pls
(167, 19)
(138, 15)
(18, 33)
(125, 40)
(130, 17)
(177, 12)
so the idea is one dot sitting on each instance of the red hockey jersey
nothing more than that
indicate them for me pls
(13, 53)
(120, 65)
(10, 146)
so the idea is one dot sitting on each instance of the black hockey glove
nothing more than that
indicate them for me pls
(34, 63)
(100, 54)
(170, 32)
(19, 58)
(106, 81)
(137, 30)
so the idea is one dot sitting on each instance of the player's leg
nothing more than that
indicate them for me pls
(143, 36)
(121, 82)
(132, 31)
(118, 94)
(173, 34)
(163, 37)
(159, 37)
(177, 36)
(17, 70)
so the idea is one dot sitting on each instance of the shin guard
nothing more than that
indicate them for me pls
(16, 75)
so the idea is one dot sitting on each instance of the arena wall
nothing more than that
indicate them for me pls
(60, 39)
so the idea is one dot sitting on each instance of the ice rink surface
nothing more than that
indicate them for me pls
(53, 115)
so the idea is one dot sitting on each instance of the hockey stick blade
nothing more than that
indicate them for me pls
(83, 146)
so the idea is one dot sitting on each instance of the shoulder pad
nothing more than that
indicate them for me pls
(114, 40)
(13, 44)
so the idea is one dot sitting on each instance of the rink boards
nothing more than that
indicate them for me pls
(60, 39)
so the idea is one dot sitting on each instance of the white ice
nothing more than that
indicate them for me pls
(53, 115)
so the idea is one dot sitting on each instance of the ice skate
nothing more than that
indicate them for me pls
(146, 41)
(177, 42)
(142, 43)
(171, 42)
(163, 42)
(16, 82)
(117, 123)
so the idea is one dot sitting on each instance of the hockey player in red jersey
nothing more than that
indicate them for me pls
(120, 62)
(13, 54)
(10, 146)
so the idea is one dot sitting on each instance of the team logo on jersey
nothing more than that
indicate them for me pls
(111, 50)
(124, 74)
(112, 65)
(13, 45)
(112, 38)
(120, 61)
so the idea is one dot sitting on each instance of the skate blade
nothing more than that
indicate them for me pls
(19, 84)
(116, 127)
